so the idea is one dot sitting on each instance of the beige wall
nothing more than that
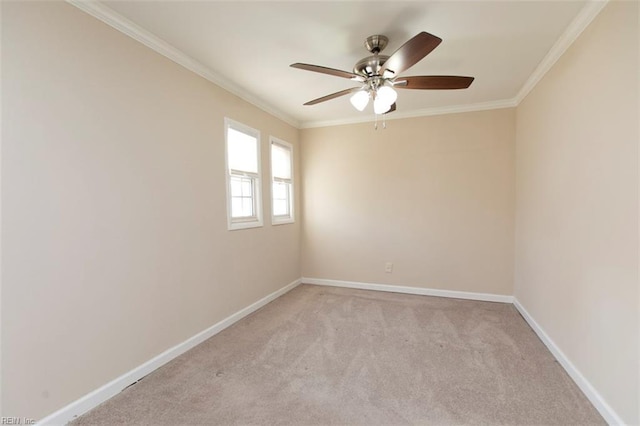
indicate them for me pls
(114, 230)
(114, 235)
(577, 206)
(432, 195)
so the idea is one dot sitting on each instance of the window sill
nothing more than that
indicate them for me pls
(235, 226)
(286, 221)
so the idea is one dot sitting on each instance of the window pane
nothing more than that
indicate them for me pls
(236, 186)
(281, 199)
(236, 207)
(247, 189)
(279, 190)
(280, 207)
(242, 203)
(241, 207)
(281, 161)
(243, 151)
(247, 207)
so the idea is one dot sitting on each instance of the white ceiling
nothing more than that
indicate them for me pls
(250, 45)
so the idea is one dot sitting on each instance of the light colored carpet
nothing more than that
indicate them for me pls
(325, 355)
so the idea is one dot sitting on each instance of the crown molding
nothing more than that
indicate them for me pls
(107, 15)
(571, 33)
(125, 26)
(588, 13)
(452, 109)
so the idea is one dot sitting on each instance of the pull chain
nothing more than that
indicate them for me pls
(384, 122)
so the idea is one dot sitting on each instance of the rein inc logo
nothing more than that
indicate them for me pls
(16, 421)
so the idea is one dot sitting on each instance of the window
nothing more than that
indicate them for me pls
(281, 182)
(243, 176)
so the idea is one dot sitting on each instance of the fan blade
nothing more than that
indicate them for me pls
(433, 82)
(393, 108)
(329, 71)
(333, 95)
(411, 53)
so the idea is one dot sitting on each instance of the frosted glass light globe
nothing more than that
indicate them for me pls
(387, 95)
(380, 106)
(359, 100)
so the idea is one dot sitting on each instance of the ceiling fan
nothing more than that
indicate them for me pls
(379, 74)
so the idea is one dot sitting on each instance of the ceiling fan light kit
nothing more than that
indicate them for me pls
(379, 74)
(383, 98)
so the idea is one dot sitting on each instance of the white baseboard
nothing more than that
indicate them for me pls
(98, 396)
(487, 297)
(605, 410)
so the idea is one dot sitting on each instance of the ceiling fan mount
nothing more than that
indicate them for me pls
(378, 75)
(376, 43)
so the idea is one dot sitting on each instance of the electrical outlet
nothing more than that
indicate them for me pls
(388, 267)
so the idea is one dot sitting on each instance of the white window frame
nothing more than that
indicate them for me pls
(256, 220)
(282, 220)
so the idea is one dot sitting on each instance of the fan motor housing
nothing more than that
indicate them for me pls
(370, 65)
